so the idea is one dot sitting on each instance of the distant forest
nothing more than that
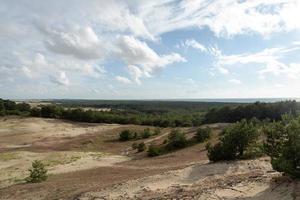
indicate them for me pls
(154, 113)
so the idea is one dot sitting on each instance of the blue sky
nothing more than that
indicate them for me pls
(160, 49)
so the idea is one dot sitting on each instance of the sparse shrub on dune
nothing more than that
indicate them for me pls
(234, 141)
(203, 134)
(38, 172)
(154, 150)
(176, 140)
(125, 135)
(141, 147)
(146, 133)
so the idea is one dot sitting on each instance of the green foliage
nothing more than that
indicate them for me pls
(283, 146)
(203, 134)
(2, 108)
(146, 133)
(38, 172)
(258, 110)
(233, 142)
(176, 140)
(141, 147)
(35, 112)
(153, 150)
(125, 135)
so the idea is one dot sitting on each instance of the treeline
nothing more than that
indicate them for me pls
(258, 110)
(146, 113)
(119, 117)
(8, 107)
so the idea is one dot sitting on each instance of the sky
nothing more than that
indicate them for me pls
(158, 49)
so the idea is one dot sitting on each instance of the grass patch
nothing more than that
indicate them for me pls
(60, 159)
(6, 156)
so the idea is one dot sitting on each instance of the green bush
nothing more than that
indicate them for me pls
(283, 146)
(38, 172)
(141, 147)
(233, 142)
(125, 135)
(176, 140)
(146, 133)
(203, 134)
(153, 150)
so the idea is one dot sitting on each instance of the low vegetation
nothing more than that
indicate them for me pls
(234, 141)
(38, 172)
(283, 145)
(203, 134)
(126, 135)
(154, 150)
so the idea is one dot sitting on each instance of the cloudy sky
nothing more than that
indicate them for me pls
(158, 49)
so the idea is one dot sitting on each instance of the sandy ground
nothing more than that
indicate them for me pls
(86, 161)
(251, 179)
(14, 165)
(19, 132)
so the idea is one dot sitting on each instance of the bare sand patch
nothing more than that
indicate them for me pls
(251, 179)
(19, 132)
(14, 165)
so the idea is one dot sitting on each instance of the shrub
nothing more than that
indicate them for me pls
(153, 150)
(283, 146)
(157, 131)
(146, 133)
(38, 172)
(134, 145)
(125, 135)
(141, 147)
(203, 134)
(233, 142)
(176, 140)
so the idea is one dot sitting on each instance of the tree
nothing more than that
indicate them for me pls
(203, 134)
(38, 172)
(2, 108)
(234, 141)
(176, 140)
(125, 135)
(283, 146)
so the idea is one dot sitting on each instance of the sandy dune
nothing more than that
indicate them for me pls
(251, 179)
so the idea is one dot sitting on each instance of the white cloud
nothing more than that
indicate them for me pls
(235, 81)
(123, 79)
(60, 79)
(192, 43)
(80, 42)
(141, 59)
(269, 59)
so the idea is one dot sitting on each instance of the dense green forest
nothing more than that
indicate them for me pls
(155, 113)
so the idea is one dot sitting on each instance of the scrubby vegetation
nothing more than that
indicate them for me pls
(203, 134)
(176, 140)
(154, 150)
(141, 147)
(283, 145)
(234, 141)
(38, 172)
